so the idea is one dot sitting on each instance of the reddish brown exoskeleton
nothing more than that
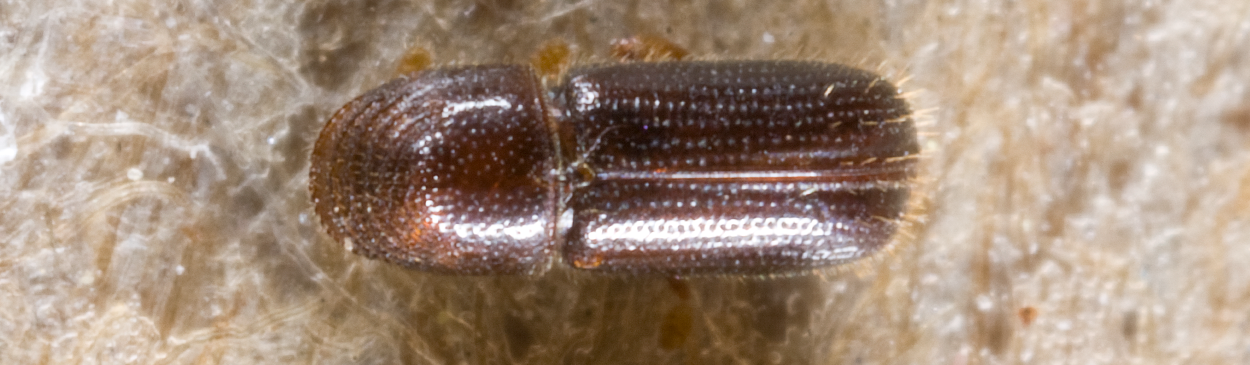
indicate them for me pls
(645, 167)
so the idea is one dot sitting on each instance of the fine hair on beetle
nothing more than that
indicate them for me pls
(671, 167)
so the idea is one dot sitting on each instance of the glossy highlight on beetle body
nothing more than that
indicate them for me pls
(665, 167)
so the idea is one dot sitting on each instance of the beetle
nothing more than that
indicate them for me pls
(678, 167)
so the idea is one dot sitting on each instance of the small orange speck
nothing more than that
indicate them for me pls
(1027, 315)
(552, 59)
(589, 263)
(416, 59)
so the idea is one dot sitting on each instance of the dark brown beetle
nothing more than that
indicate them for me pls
(752, 167)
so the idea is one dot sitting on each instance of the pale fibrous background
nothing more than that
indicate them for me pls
(1084, 198)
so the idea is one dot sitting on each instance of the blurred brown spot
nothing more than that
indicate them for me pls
(1027, 314)
(998, 331)
(677, 325)
(1119, 174)
(416, 59)
(1238, 117)
(679, 287)
(1129, 327)
(520, 339)
(551, 59)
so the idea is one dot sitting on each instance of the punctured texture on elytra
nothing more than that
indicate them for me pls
(735, 167)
